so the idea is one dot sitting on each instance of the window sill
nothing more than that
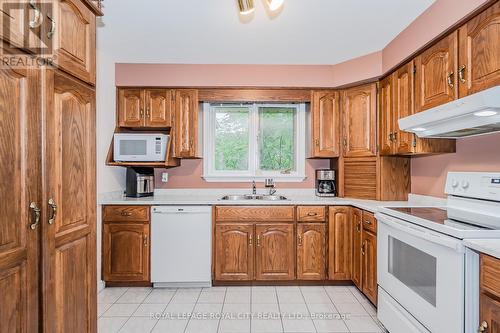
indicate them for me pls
(246, 179)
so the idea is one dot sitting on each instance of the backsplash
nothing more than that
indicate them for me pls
(189, 175)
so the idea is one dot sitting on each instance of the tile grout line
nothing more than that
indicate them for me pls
(221, 310)
(170, 300)
(191, 316)
(307, 307)
(131, 316)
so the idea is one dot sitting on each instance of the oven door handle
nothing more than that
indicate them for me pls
(420, 232)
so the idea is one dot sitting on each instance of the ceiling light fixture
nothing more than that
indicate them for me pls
(275, 4)
(246, 6)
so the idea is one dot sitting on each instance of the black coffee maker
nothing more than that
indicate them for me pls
(140, 182)
(325, 183)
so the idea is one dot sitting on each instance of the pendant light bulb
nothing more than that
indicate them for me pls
(275, 4)
(246, 6)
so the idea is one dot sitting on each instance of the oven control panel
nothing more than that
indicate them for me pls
(476, 185)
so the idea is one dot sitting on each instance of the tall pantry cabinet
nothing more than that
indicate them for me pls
(47, 163)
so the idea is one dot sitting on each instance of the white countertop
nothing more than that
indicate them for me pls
(296, 197)
(487, 246)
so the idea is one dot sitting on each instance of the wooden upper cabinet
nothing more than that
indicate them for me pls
(186, 123)
(125, 252)
(311, 251)
(71, 27)
(339, 243)
(325, 118)
(370, 266)
(234, 252)
(18, 19)
(20, 159)
(386, 116)
(274, 252)
(158, 107)
(130, 107)
(479, 60)
(356, 271)
(359, 120)
(404, 106)
(436, 79)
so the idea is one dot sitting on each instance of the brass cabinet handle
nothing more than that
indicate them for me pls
(483, 327)
(141, 113)
(145, 240)
(461, 73)
(391, 137)
(368, 222)
(53, 213)
(35, 215)
(312, 214)
(358, 227)
(52, 30)
(126, 214)
(147, 112)
(363, 248)
(258, 239)
(299, 238)
(317, 142)
(449, 79)
(394, 135)
(35, 23)
(250, 239)
(345, 142)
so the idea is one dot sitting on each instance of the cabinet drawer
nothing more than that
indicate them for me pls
(490, 274)
(126, 213)
(369, 222)
(311, 213)
(254, 213)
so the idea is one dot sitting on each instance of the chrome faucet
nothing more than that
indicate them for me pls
(270, 184)
(254, 188)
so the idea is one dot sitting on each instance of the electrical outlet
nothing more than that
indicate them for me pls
(164, 177)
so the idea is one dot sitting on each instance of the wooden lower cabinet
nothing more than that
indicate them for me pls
(234, 252)
(311, 239)
(489, 314)
(274, 252)
(339, 243)
(357, 263)
(369, 266)
(489, 302)
(126, 252)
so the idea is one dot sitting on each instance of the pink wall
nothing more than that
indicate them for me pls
(189, 175)
(428, 174)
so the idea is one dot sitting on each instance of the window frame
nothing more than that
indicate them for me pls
(253, 172)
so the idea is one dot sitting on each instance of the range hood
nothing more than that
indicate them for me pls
(472, 115)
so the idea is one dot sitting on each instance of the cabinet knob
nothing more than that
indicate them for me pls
(449, 80)
(126, 214)
(299, 238)
(368, 222)
(461, 73)
(53, 208)
(250, 239)
(258, 239)
(483, 327)
(145, 240)
(312, 214)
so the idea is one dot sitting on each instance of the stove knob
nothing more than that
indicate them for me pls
(454, 183)
(465, 184)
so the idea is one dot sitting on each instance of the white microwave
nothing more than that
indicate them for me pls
(140, 147)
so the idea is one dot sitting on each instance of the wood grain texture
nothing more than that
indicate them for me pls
(311, 242)
(254, 95)
(234, 252)
(404, 105)
(489, 307)
(394, 181)
(185, 134)
(125, 252)
(255, 213)
(20, 168)
(69, 262)
(339, 243)
(489, 312)
(434, 66)
(130, 107)
(490, 275)
(386, 115)
(369, 222)
(311, 213)
(74, 41)
(274, 251)
(360, 178)
(479, 41)
(125, 213)
(359, 117)
(369, 271)
(357, 263)
(158, 107)
(325, 119)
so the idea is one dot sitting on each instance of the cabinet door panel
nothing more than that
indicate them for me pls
(69, 241)
(490, 313)
(386, 116)
(357, 262)
(20, 170)
(275, 252)
(480, 51)
(403, 106)
(234, 252)
(74, 38)
(130, 107)
(311, 251)
(370, 266)
(186, 123)
(325, 113)
(158, 107)
(436, 77)
(126, 252)
(359, 119)
(340, 243)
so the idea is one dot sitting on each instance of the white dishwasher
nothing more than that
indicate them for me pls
(181, 253)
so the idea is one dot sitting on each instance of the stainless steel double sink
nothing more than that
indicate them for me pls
(253, 197)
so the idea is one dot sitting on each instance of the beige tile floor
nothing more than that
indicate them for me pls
(236, 310)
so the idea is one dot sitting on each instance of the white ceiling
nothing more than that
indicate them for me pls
(210, 31)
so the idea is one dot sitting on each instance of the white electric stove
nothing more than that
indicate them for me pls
(428, 281)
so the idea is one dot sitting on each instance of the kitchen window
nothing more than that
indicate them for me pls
(248, 141)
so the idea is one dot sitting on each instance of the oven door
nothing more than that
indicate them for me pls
(423, 271)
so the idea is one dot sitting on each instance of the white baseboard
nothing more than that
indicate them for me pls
(100, 286)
